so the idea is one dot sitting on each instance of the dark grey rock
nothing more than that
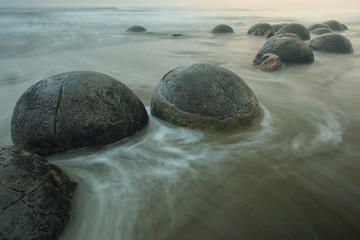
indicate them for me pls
(74, 110)
(261, 29)
(344, 27)
(334, 25)
(316, 26)
(204, 96)
(332, 42)
(35, 196)
(290, 50)
(222, 28)
(319, 31)
(270, 63)
(297, 28)
(136, 29)
(276, 27)
(286, 35)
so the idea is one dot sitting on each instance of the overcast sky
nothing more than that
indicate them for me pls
(262, 4)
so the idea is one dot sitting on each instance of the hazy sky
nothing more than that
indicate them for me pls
(265, 4)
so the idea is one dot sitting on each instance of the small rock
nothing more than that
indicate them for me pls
(136, 29)
(222, 28)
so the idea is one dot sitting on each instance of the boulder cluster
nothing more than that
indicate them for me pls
(291, 43)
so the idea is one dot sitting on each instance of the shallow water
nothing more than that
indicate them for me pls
(293, 174)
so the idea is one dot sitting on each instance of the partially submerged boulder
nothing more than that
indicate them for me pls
(136, 28)
(344, 27)
(74, 110)
(334, 25)
(320, 31)
(332, 42)
(290, 50)
(316, 26)
(35, 196)
(261, 29)
(297, 28)
(222, 28)
(276, 27)
(204, 96)
(286, 35)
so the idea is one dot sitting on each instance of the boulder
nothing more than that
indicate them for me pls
(35, 196)
(286, 35)
(270, 63)
(136, 28)
(261, 29)
(316, 26)
(276, 27)
(204, 96)
(297, 28)
(319, 31)
(344, 27)
(74, 110)
(334, 25)
(332, 42)
(290, 50)
(222, 28)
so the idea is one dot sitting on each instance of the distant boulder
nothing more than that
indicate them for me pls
(332, 42)
(316, 26)
(334, 25)
(276, 27)
(297, 28)
(204, 96)
(222, 28)
(290, 50)
(74, 110)
(344, 27)
(35, 196)
(261, 29)
(136, 28)
(319, 31)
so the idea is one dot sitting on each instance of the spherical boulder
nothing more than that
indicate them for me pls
(261, 29)
(344, 27)
(35, 196)
(332, 42)
(222, 28)
(204, 96)
(316, 26)
(319, 31)
(334, 25)
(136, 28)
(276, 27)
(270, 63)
(290, 50)
(74, 110)
(297, 28)
(286, 35)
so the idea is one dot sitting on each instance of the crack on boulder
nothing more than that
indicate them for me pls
(58, 108)
(15, 190)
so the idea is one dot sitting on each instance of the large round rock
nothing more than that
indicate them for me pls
(222, 28)
(297, 28)
(290, 50)
(35, 196)
(73, 110)
(204, 96)
(261, 29)
(332, 42)
(334, 25)
(136, 28)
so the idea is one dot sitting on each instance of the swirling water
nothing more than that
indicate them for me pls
(293, 174)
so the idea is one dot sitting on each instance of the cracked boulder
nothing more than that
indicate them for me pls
(74, 110)
(261, 29)
(35, 196)
(290, 50)
(320, 31)
(334, 25)
(296, 28)
(332, 42)
(316, 26)
(204, 96)
(136, 28)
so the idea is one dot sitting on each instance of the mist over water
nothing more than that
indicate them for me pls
(293, 174)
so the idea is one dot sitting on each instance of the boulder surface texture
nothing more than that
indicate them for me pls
(334, 25)
(74, 110)
(332, 42)
(204, 96)
(35, 196)
(297, 28)
(290, 50)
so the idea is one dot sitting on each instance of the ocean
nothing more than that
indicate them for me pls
(293, 174)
